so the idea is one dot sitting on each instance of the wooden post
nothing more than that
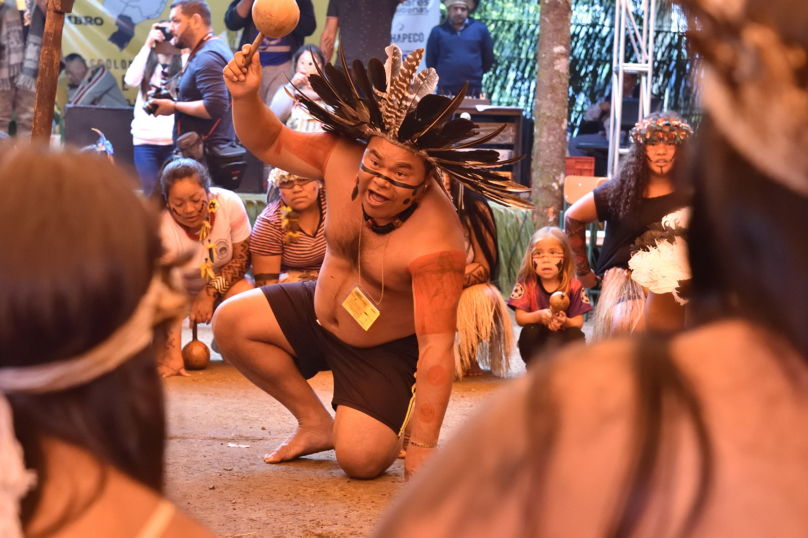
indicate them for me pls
(550, 111)
(49, 68)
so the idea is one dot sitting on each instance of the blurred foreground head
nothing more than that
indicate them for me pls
(748, 252)
(80, 270)
(751, 163)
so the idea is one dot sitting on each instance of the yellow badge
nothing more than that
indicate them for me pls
(360, 308)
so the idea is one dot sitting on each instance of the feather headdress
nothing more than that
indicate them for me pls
(393, 101)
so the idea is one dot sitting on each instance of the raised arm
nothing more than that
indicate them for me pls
(237, 14)
(302, 154)
(437, 281)
(576, 218)
(329, 37)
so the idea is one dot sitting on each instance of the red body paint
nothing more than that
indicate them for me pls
(426, 413)
(436, 375)
(437, 281)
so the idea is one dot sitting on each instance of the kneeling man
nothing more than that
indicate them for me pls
(381, 315)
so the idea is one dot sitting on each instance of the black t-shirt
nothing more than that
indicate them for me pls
(621, 232)
(364, 27)
(203, 80)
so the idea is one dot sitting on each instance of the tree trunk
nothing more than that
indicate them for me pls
(550, 111)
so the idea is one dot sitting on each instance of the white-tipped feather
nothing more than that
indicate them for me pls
(661, 268)
(393, 63)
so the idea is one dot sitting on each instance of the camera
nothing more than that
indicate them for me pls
(159, 92)
(166, 33)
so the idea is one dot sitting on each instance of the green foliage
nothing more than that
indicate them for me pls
(514, 27)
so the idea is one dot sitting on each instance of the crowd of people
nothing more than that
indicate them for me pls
(377, 258)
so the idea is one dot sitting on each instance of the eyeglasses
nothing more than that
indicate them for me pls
(300, 181)
(549, 256)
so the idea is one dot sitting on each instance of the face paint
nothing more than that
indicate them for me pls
(355, 191)
(390, 180)
(560, 265)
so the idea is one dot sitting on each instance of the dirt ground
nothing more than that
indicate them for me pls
(219, 428)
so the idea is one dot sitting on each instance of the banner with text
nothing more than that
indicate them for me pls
(111, 32)
(412, 24)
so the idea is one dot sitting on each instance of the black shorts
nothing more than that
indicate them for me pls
(378, 381)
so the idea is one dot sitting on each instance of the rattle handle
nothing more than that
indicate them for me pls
(193, 329)
(253, 48)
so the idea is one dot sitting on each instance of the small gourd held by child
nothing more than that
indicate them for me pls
(548, 268)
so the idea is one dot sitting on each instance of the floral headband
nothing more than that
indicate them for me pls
(278, 176)
(664, 129)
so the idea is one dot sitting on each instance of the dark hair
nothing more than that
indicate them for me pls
(189, 8)
(73, 57)
(97, 249)
(626, 193)
(744, 228)
(177, 169)
(152, 61)
(314, 50)
(475, 211)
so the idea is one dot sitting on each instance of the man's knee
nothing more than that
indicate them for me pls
(226, 324)
(362, 462)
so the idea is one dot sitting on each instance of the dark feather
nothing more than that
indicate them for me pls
(482, 139)
(338, 80)
(482, 165)
(447, 113)
(427, 111)
(323, 89)
(475, 155)
(348, 74)
(360, 77)
(457, 130)
(377, 75)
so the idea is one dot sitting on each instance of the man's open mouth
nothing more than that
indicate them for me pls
(377, 198)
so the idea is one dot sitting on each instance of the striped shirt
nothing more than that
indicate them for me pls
(305, 254)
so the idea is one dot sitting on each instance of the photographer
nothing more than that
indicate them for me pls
(202, 110)
(154, 71)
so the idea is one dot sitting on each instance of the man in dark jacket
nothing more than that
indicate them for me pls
(460, 49)
(276, 54)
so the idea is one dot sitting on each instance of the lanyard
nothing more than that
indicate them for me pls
(198, 46)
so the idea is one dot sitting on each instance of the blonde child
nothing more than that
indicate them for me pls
(548, 267)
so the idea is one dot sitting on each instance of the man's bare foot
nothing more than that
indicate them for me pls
(303, 442)
(474, 370)
(172, 367)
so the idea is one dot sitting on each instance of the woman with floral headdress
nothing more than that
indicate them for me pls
(701, 434)
(82, 423)
(288, 241)
(208, 229)
(641, 195)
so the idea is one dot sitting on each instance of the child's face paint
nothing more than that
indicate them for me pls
(548, 258)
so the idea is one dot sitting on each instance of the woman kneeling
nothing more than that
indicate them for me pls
(207, 230)
(288, 243)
